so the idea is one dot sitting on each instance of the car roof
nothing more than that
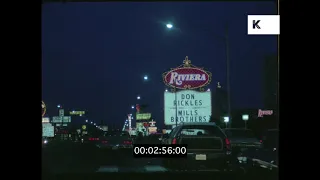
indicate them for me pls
(198, 124)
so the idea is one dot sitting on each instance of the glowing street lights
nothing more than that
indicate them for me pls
(138, 97)
(226, 120)
(169, 26)
(245, 118)
(145, 77)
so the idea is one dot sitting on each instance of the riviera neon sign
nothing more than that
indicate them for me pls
(261, 113)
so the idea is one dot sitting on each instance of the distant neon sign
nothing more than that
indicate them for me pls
(80, 113)
(261, 113)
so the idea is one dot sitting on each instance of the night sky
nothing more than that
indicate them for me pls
(94, 55)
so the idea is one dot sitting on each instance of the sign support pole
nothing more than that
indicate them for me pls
(175, 94)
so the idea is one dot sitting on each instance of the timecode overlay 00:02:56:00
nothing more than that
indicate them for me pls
(160, 150)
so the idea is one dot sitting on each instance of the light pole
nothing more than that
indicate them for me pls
(228, 71)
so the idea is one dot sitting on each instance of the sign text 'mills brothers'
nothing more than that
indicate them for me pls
(191, 106)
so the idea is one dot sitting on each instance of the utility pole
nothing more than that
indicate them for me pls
(228, 72)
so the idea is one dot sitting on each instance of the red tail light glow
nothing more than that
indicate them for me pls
(228, 144)
(174, 141)
(261, 141)
(93, 139)
(127, 142)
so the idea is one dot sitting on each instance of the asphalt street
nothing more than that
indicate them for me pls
(72, 157)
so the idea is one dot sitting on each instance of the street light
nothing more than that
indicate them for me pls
(145, 77)
(58, 106)
(138, 97)
(86, 121)
(169, 26)
(245, 118)
(91, 122)
(226, 120)
(132, 107)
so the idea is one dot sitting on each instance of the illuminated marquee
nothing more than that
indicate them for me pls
(187, 106)
(187, 76)
(143, 116)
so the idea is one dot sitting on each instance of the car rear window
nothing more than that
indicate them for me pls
(241, 133)
(198, 130)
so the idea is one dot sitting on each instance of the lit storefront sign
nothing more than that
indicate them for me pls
(262, 113)
(143, 116)
(80, 113)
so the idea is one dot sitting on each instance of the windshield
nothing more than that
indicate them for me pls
(119, 75)
(240, 133)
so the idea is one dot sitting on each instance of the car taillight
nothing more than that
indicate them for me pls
(261, 141)
(93, 139)
(127, 142)
(174, 141)
(228, 144)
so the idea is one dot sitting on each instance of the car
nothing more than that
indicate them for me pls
(115, 140)
(164, 138)
(243, 139)
(270, 139)
(244, 143)
(207, 147)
